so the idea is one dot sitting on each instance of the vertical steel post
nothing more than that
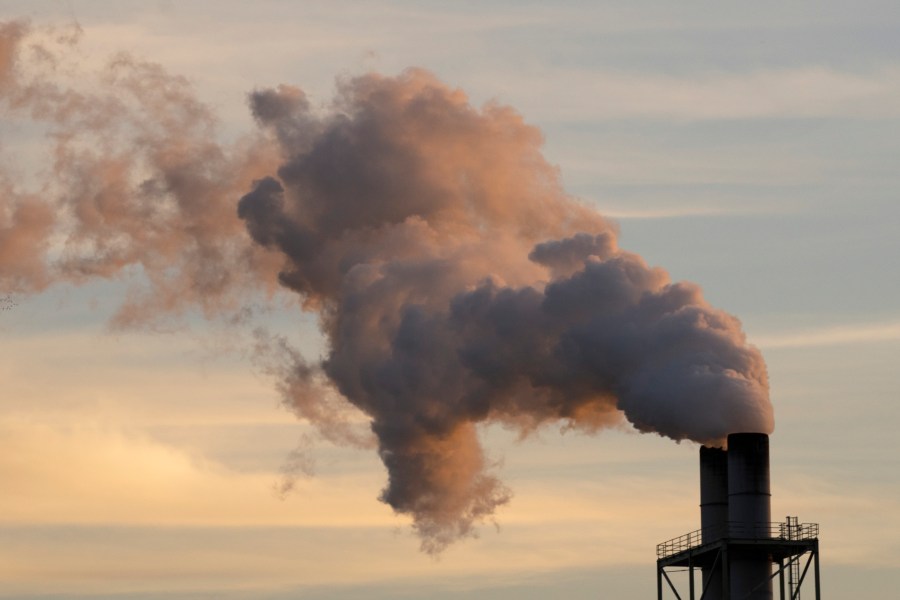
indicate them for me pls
(816, 567)
(691, 574)
(726, 574)
(659, 595)
(781, 578)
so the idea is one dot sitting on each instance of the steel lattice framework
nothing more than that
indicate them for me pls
(792, 547)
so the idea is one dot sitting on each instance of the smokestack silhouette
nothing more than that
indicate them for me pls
(456, 282)
(738, 550)
(749, 513)
(713, 512)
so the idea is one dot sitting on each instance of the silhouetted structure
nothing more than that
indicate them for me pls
(738, 545)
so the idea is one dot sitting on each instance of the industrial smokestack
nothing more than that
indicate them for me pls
(713, 492)
(713, 512)
(738, 546)
(749, 514)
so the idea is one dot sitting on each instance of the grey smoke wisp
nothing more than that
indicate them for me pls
(132, 179)
(456, 282)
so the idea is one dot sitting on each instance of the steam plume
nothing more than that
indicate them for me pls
(456, 281)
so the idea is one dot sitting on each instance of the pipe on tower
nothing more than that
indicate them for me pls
(713, 513)
(749, 514)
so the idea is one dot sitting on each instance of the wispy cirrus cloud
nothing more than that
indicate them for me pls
(691, 210)
(789, 92)
(838, 335)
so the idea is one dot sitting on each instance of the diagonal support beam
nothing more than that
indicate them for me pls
(711, 573)
(776, 574)
(796, 595)
(671, 585)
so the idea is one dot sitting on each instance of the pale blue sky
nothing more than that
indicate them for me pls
(752, 149)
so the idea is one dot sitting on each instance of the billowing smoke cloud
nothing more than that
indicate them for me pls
(455, 280)
(458, 283)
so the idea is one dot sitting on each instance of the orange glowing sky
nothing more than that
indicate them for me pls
(749, 149)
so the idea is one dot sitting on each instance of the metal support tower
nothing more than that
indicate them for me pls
(791, 547)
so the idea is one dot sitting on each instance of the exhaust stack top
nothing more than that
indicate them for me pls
(749, 494)
(749, 514)
(738, 545)
(713, 512)
(713, 493)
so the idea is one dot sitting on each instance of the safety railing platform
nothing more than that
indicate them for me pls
(784, 531)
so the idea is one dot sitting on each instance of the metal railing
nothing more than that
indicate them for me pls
(774, 531)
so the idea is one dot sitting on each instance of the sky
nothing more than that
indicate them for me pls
(749, 149)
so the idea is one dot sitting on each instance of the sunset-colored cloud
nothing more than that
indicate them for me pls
(596, 95)
(169, 430)
(96, 474)
(837, 335)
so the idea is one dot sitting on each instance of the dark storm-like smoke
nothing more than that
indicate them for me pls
(456, 282)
